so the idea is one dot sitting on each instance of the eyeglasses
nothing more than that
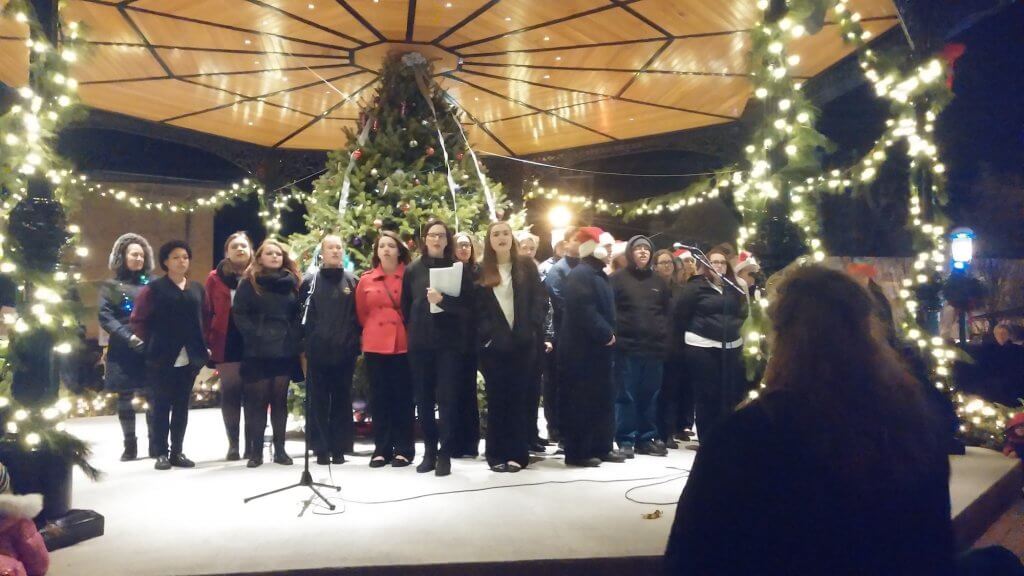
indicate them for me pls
(666, 264)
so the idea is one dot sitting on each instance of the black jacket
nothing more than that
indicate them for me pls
(268, 322)
(529, 303)
(125, 366)
(761, 500)
(589, 318)
(642, 309)
(168, 319)
(555, 283)
(332, 330)
(446, 329)
(700, 310)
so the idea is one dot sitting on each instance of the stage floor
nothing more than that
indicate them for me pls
(194, 521)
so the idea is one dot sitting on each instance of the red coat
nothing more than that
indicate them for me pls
(380, 314)
(216, 314)
(22, 550)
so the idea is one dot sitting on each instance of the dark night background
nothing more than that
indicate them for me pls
(980, 135)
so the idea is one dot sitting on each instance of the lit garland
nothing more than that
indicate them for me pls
(272, 215)
(223, 197)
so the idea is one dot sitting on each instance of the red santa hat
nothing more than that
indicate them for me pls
(746, 261)
(589, 238)
(683, 254)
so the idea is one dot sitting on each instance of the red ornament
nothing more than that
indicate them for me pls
(458, 156)
(357, 154)
(430, 150)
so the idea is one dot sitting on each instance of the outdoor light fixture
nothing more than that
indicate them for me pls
(961, 248)
(559, 216)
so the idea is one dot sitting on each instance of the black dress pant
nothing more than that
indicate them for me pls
(330, 407)
(467, 432)
(533, 392)
(508, 375)
(718, 385)
(675, 400)
(436, 375)
(587, 414)
(552, 393)
(391, 404)
(172, 390)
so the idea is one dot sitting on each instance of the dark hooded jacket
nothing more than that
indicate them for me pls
(643, 304)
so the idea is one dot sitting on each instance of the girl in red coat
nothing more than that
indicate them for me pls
(223, 338)
(22, 550)
(378, 305)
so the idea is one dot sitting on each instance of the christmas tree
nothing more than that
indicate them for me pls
(406, 161)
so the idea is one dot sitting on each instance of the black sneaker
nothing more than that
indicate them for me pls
(162, 463)
(672, 444)
(180, 461)
(652, 448)
(627, 451)
(613, 456)
(583, 462)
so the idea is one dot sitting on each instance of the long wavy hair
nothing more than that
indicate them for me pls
(829, 349)
(489, 275)
(256, 269)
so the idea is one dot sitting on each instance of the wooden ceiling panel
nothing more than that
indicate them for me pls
(13, 63)
(256, 122)
(165, 31)
(318, 98)
(483, 105)
(825, 48)
(506, 17)
(721, 95)
(726, 54)
(117, 63)
(481, 141)
(11, 28)
(389, 17)
(261, 83)
(189, 62)
(542, 132)
(327, 13)
(153, 99)
(101, 23)
(607, 83)
(324, 134)
(351, 108)
(631, 57)
(248, 16)
(700, 16)
(615, 25)
(536, 96)
(628, 120)
(435, 17)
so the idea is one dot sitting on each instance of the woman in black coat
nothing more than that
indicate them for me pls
(266, 311)
(331, 332)
(511, 305)
(437, 344)
(168, 318)
(131, 260)
(467, 437)
(709, 314)
(837, 468)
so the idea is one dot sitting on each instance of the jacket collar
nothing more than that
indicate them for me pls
(378, 272)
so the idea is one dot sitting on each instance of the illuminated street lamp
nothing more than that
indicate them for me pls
(560, 218)
(962, 248)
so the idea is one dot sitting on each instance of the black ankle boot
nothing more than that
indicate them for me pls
(280, 456)
(131, 449)
(232, 451)
(428, 463)
(443, 467)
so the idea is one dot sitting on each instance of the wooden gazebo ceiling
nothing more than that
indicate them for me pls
(531, 75)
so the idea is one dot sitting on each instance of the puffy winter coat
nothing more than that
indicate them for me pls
(269, 322)
(22, 550)
(708, 313)
(642, 308)
(125, 366)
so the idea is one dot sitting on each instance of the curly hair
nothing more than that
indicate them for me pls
(116, 261)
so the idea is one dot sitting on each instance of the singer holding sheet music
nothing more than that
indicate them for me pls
(436, 344)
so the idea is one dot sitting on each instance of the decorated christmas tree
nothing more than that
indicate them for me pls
(406, 161)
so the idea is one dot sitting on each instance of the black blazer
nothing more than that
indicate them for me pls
(446, 329)
(529, 302)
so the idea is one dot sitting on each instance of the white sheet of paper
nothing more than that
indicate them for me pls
(447, 281)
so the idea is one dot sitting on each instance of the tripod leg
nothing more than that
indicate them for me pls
(250, 498)
(331, 486)
(321, 496)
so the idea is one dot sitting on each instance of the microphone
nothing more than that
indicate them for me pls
(679, 245)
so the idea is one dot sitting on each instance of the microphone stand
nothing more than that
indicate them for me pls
(703, 259)
(306, 479)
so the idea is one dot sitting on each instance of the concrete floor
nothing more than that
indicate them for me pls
(194, 521)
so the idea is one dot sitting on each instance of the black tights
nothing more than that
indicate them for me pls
(259, 394)
(231, 400)
(126, 414)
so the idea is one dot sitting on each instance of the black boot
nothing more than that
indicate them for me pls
(428, 463)
(443, 466)
(131, 449)
(280, 456)
(232, 450)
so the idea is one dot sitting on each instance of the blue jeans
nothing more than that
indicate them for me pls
(638, 379)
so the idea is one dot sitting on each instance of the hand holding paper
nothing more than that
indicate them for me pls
(447, 281)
